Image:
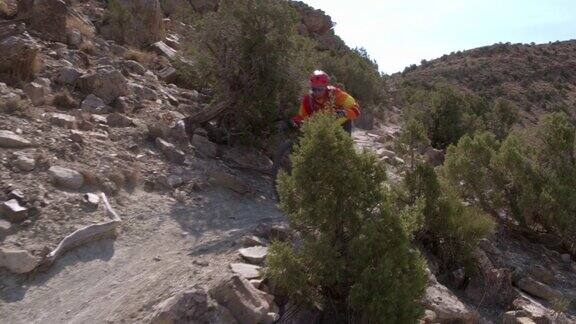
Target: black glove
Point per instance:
(341, 113)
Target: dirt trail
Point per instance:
(163, 247)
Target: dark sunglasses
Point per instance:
(318, 89)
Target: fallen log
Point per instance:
(86, 234)
(205, 115)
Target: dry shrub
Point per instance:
(88, 47)
(63, 99)
(10, 106)
(74, 22)
(143, 57)
(24, 71)
(7, 8)
(90, 178)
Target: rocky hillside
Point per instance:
(538, 78)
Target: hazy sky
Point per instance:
(398, 33)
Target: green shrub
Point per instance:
(355, 260)
(451, 230)
(503, 115)
(249, 50)
(412, 137)
(531, 175)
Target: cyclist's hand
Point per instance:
(293, 124)
(340, 113)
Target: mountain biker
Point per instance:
(325, 97)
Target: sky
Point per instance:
(398, 33)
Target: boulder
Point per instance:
(162, 49)
(445, 304)
(19, 54)
(63, 120)
(204, 146)
(245, 270)
(12, 211)
(106, 83)
(143, 92)
(170, 151)
(67, 75)
(247, 304)
(191, 306)
(66, 178)
(167, 74)
(94, 105)
(251, 240)
(316, 21)
(255, 254)
(91, 200)
(49, 19)
(434, 157)
(9, 139)
(119, 120)
(542, 274)
(229, 181)
(538, 289)
(132, 66)
(37, 93)
(17, 261)
(24, 163)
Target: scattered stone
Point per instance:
(251, 240)
(9, 139)
(92, 200)
(94, 105)
(458, 277)
(162, 49)
(74, 38)
(37, 93)
(167, 74)
(24, 163)
(445, 304)
(12, 210)
(255, 254)
(49, 19)
(170, 151)
(273, 232)
(229, 181)
(77, 136)
(247, 304)
(16, 194)
(157, 259)
(18, 50)
(106, 83)
(142, 92)
(174, 181)
(17, 261)
(566, 258)
(542, 274)
(132, 66)
(204, 146)
(538, 289)
(190, 306)
(67, 75)
(386, 153)
(434, 157)
(119, 120)
(202, 263)
(63, 120)
(98, 119)
(5, 228)
(67, 178)
(245, 270)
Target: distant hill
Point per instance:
(538, 78)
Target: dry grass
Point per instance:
(143, 57)
(132, 176)
(23, 70)
(74, 22)
(63, 99)
(87, 47)
(7, 8)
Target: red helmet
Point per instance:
(319, 79)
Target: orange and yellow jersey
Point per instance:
(334, 99)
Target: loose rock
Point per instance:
(9, 139)
(170, 151)
(245, 270)
(106, 83)
(37, 93)
(92, 200)
(17, 261)
(255, 254)
(12, 210)
(66, 177)
(63, 120)
(162, 49)
(229, 181)
(49, 19)
(119, 120)
(5, 228)
(24, 163)
(539, 289)
(94, 105)
(205, 146)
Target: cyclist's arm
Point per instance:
(348, 103)
(303, 112)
